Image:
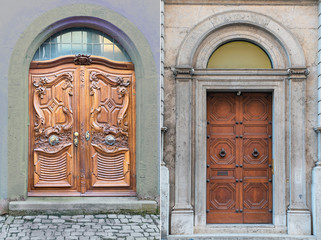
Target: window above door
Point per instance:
(74, 41)
(239, 55)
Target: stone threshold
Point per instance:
(82, 205)
(243, 236)
(240, 229)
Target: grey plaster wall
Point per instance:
(16, 17)
(300, 17)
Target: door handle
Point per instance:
(76, 141)
(87, 136)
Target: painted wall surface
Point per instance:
(18, 20)
(300, 17)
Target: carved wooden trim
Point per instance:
(122, 84)
(82, 59)
(40, 90)
(70, 59)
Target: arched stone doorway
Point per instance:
(285, 82)
(128, 35)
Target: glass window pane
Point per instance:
(81, 41)
(108, 40)
(76, 37)
(76, 48)
(97, 50)
(45, 51)
(55, 51)
(239, 55)
(65, 49)
(89, 50)
(66, 37)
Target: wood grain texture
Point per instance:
(239, 158)
(96, 101)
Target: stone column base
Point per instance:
(4, 207)
(182, 222)
(299, 222)
(164, 201)
(316, 200)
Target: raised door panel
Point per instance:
(222, 190)
(112, 127)
(256, 150)
(239, 147)
(52, 162)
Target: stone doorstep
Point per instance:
(79, 205)
(242, 236)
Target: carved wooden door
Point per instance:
(239, 158)
(82, 127)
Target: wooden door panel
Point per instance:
(82, 131)
(255, 152)
(239, 188)
(222, 108)
(51, 95)
(111, 127)
(53, 169)
(255, 107)
(110, 170)
(222, 151)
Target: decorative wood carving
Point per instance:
(49, 84)
(82, 59)
(96, 101)
(53, 170)
(122, 92)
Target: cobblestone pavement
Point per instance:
(83, 227)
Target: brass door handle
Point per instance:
(76, 141)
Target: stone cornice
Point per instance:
(291, 73)
(241, 2)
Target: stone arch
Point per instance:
(131, 38)
(262, 30)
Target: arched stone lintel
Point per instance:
(292, 49)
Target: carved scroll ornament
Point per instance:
(122, 91)
(120, 131)
(43, 132)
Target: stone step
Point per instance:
(240, 237)
(81, 205)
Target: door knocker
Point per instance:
(222, 153)
(255, 153)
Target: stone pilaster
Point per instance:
(182, 218)
(316, 172)
(298, 215)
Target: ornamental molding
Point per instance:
(82, 59)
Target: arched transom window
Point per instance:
(239, 54)
(74, 41)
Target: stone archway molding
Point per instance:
(291, 46)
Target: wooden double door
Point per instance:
(239, 158)
(82, 127)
